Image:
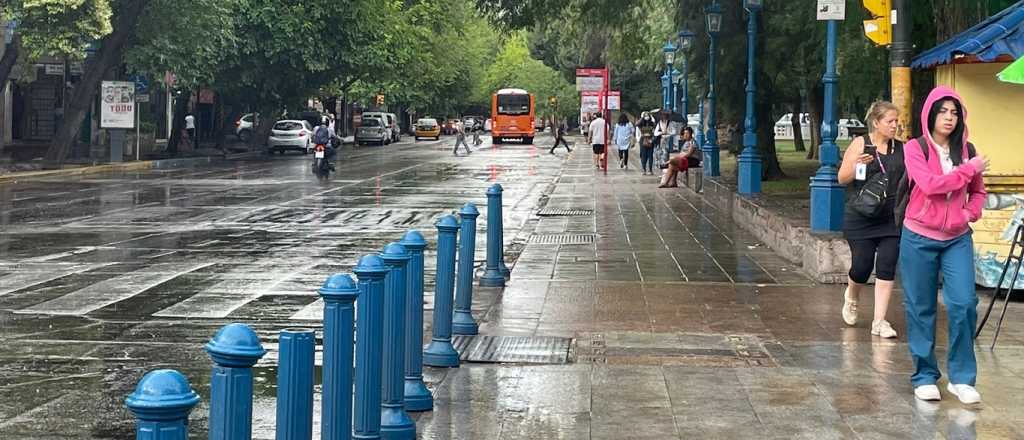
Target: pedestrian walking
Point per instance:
(645, 137)
(560, 129)
(190, 126)
(460, 138)
(874, 160)
(688, 158)
(596, 138)
(624, 137)
(946, 194)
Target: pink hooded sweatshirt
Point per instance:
(942, 205)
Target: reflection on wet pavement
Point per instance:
(682, 325)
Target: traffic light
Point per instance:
(553, 100)
(379, 100)
(879, 29)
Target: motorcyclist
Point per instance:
(322, 136)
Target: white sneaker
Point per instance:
(849, 308)
(966, 393)
(927, 392)
(883, 329)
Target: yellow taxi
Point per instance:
(428, 128)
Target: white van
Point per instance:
(391, 121)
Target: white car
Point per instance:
(291, 134)
(243, 127)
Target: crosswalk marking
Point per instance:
(110, 291)
(23, 280)
(312, 312)
(220, 300)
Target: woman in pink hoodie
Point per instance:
(947, 194)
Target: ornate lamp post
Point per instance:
(710, 147)
(669, 50)
(826, 192)
(676, 75)
(749, 178)
(685, 43)
(664, 90)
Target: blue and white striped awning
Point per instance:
(1000, 35)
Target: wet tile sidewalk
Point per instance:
(687, 327)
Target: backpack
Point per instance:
(322, 135)
(907, 185)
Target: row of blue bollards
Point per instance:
(388, 375)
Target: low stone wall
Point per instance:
(824, 257)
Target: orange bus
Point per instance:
(512, 116)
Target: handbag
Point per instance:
(870, 200)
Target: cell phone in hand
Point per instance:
(870, 149)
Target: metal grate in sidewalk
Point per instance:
(562, 238)
(560, 212)
(513, 349)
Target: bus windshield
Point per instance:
(513, 104)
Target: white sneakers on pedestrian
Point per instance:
(849, 308)
(883, 329)
(966, 393)
(927, 392)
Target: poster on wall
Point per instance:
(118, 108)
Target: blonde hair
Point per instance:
(877, 111)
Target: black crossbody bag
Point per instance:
(870, 200)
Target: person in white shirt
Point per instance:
(596, 138)
(190, 126)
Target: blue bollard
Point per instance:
(234, 350)
(395, 423)
(499, 220)
(161, 403)
(440, 352)
(366, 417)
(295, 384)
(417, 396)
(462, 321)
(339, 293)
(493, 277)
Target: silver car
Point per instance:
(372, 130)
(291, 134)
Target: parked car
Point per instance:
(291, 135)
(244, 126)
(373, 130)
(428, 127)
(449, 126)
(390, 124)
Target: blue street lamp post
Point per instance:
(669, 50)
(749, 178)
(826, 192)
(675, 90)
(714, 26)
(664, 90)
(685, 43)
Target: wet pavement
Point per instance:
(679, 324)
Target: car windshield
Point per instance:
(288, 126)
(371, 122)
(513, 104)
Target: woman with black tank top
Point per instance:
(874, 241)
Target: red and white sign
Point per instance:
(590, 80)
(118, 107)
(591, 102)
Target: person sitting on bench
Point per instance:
(688, 158)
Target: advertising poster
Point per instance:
(118, 107)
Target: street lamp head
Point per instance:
(753, 5)
(676, 76)
(669, 50)
(714, 18)
(686, 40)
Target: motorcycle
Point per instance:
(321, 166)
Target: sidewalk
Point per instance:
(684, 326)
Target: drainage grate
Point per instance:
(562, 238)
(513, 349)
(559, 212)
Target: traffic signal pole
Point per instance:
(900, 54)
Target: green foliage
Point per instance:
(59, 27)
(515, 68)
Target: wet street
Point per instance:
(659, 317)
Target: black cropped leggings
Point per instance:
(879, 253)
